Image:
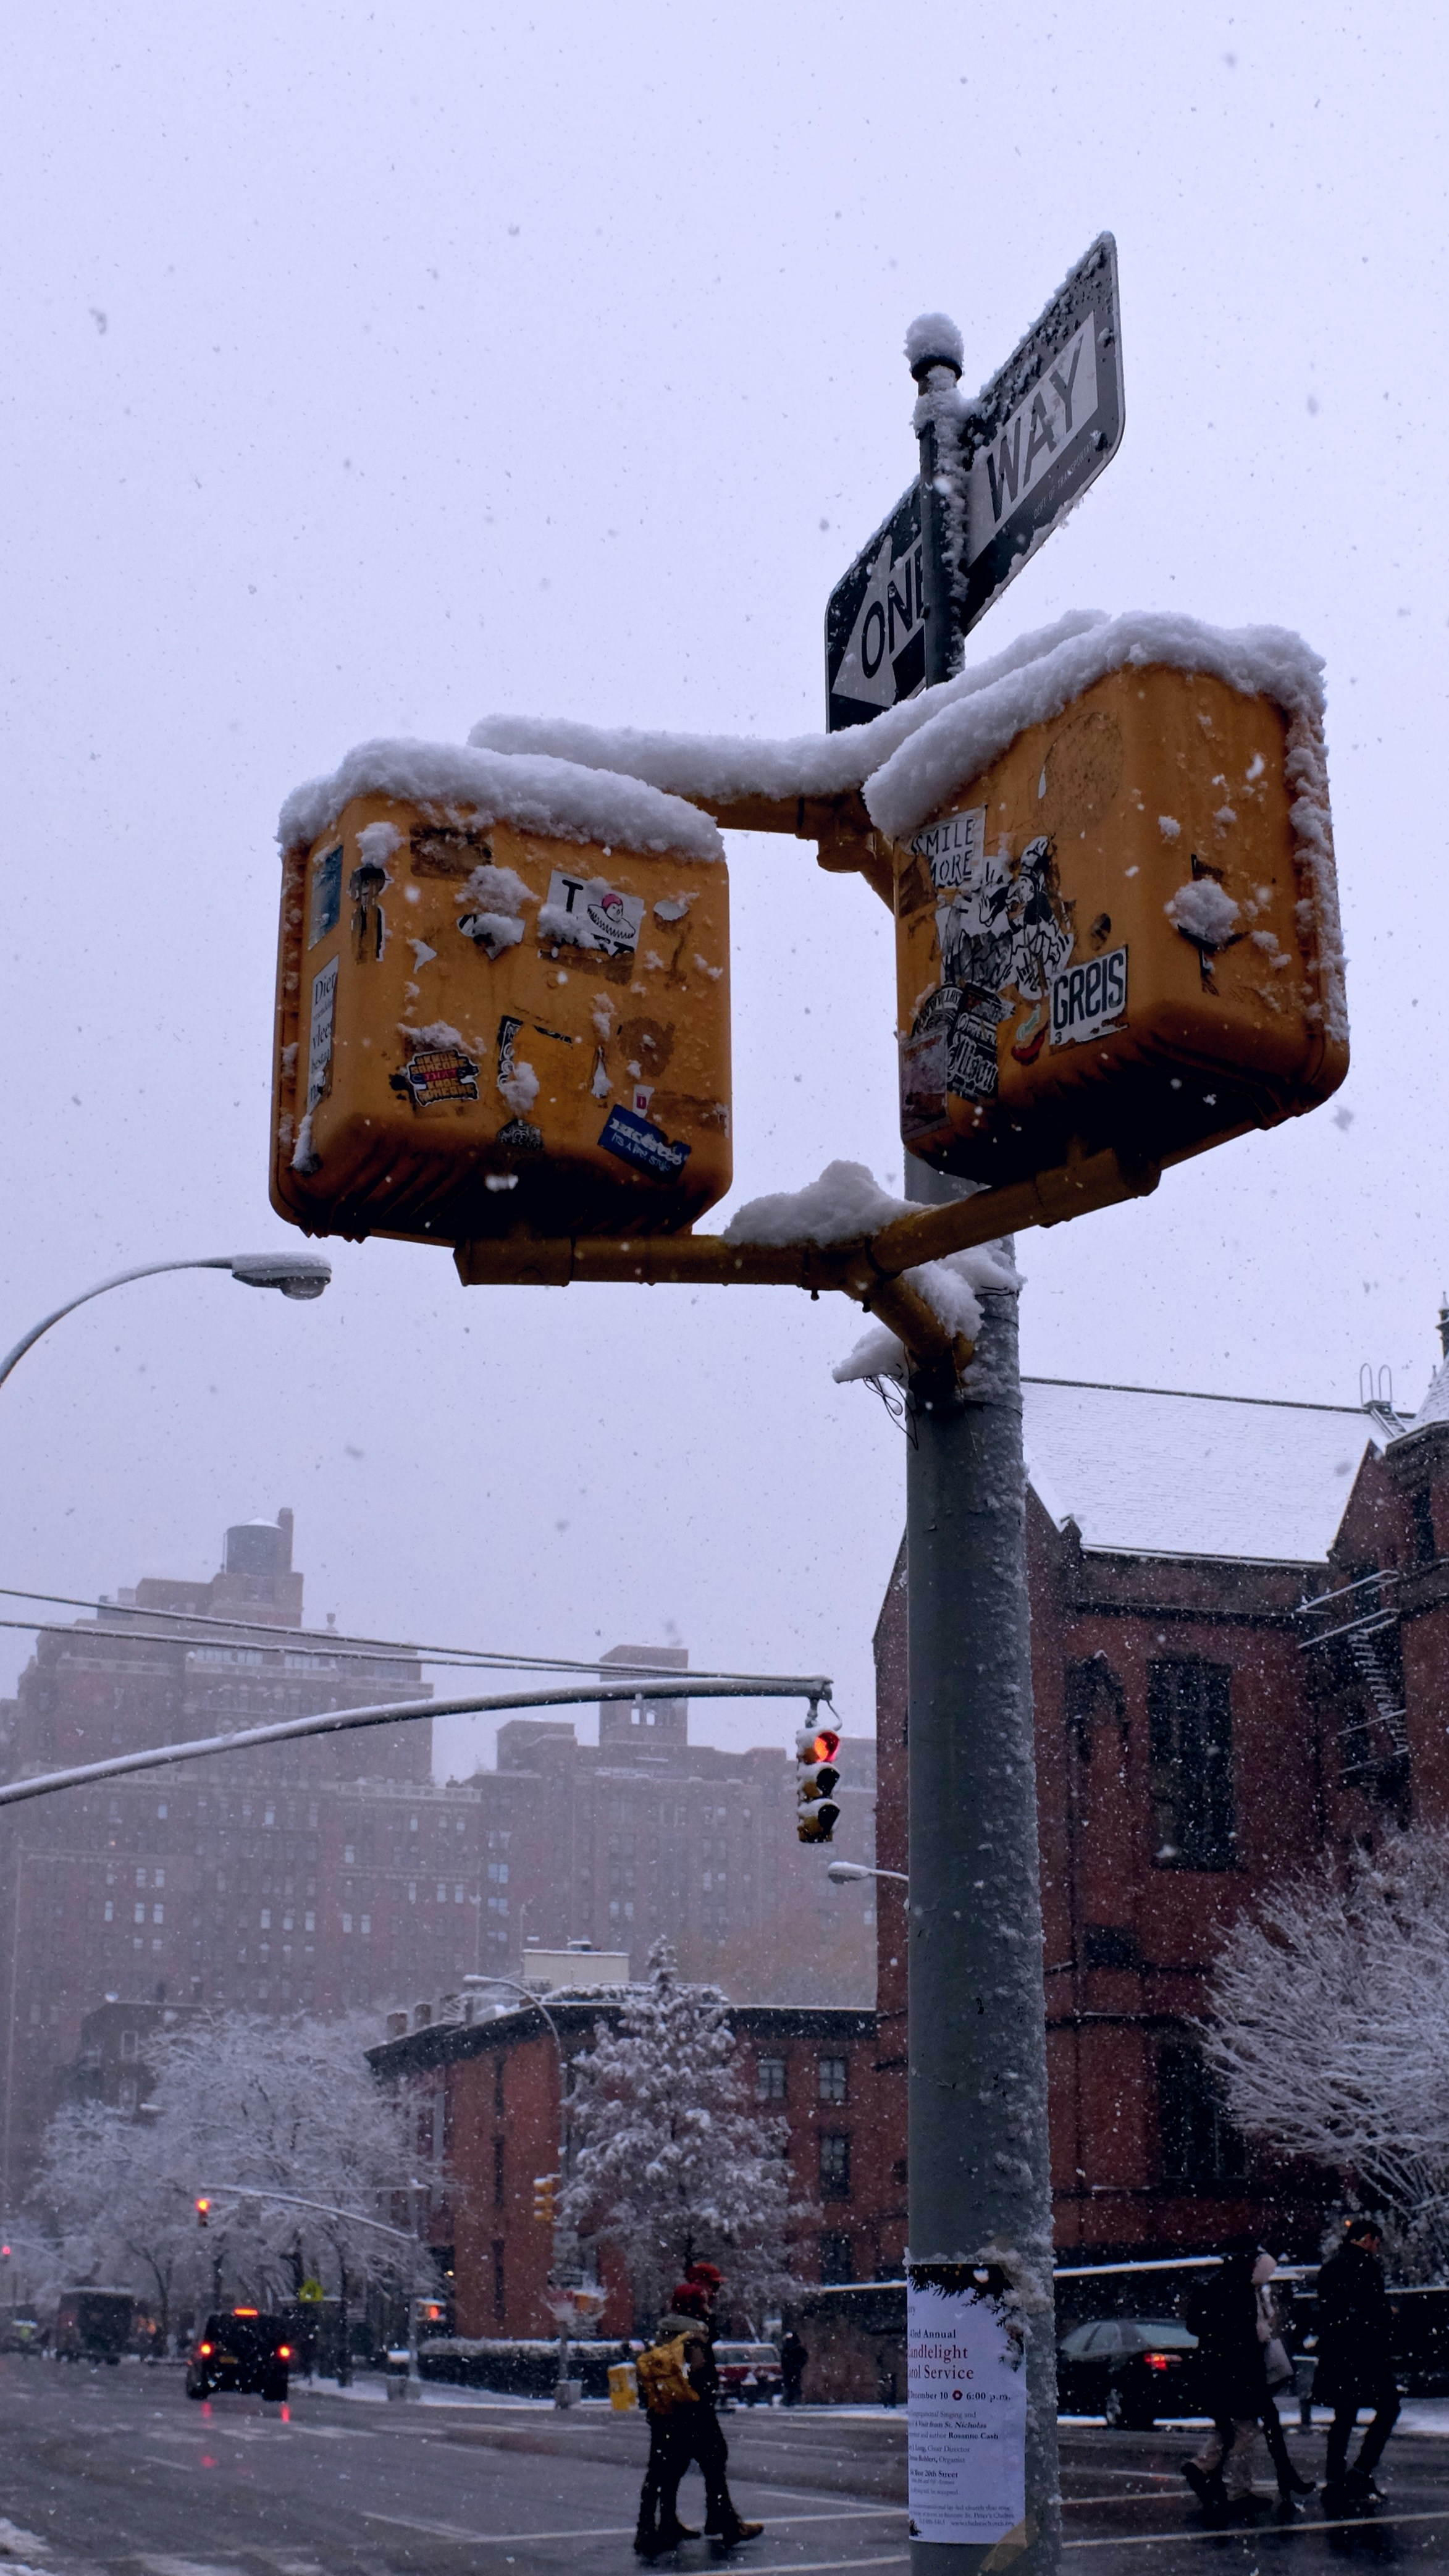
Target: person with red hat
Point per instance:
(680, 2384)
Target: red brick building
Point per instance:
(484, 2093)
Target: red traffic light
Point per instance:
(203, 2212)
(822, 1746)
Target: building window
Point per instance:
(127, 2097)
(349, 1854)
(442, 1893)
(366, 1921)
(346, 1922)
(140, 1914)
(158, 1913)
(498, 2088)
(458, 1893)
(110, 1911)
(266, 1918)
(1421, 1504)
(309, 1922)
(836, 2259)
(1190, 1743)
(831, 2076)
(835, 2168)
(1199, 2141)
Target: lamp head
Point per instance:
(296, 1274)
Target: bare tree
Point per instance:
(673, 2164)
(1329, 2026)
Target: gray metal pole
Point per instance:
(979, 2173)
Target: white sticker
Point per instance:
(952, 847)
(1054, 412)
(319, 1047)
(1089, 999)
(587, 912)
(966, 2418)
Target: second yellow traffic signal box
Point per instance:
(1122, 932)
(490, 1024)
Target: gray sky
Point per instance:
(370, 369)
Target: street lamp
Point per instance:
(296, 1274)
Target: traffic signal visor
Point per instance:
(816, 1779)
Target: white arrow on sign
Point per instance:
(888, 616)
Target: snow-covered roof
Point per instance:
(1156, 1474)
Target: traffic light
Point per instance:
(203, 2213)
(816, 1777)
(543, 2191)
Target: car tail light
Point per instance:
(205, 2351)
(284, 2352)
(1162, 2360)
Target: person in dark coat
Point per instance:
(690, 2432)
(1223, 2313)
(1355, 2333)
(793, 2357)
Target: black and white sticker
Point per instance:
(319, 1042)
(1089, 1000)
(952, 849)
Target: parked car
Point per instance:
(749, 2373)
(93, 2325)
(1128, 2370)
(243, 2351)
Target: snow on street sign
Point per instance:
(1042, 430)
(875, 634)
(1033, 440)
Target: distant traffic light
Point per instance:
(543, 2191)
(203, 2213)
(816, 1778)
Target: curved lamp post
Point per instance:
(296, 1274)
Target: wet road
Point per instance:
(114, 2471)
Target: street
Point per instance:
(114, 2470)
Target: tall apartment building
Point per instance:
(336, 1873)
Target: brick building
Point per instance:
(1240, 1642)
(483, 2087)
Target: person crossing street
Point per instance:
(680, 2386)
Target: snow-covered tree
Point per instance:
(671, 2163)
(258, 2114)
(1329, 2025)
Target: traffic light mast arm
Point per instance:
(845, 837)
(869, 1269)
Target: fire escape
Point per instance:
(1362, 1631)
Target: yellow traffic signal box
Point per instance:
(491, 1025)
(1123, 931)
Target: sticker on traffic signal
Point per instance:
(816, 1777)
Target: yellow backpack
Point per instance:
(663, 2378)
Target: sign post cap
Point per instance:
(933, 340)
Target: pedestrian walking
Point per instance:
(1355, 2335)
(1278, 2373)
(793, 2357)
(1223, 2313)
(680, 2385)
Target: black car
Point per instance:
(241, 2350)
(1128, 2370)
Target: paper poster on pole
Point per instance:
(966, 2361)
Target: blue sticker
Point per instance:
(635, 1140)
(326, 893)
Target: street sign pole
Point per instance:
(935, 359)
(980, 2186)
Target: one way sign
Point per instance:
(1031, 443)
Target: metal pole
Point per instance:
(937, 371)
(979, 2172)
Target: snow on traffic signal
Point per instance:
(816, 1777)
